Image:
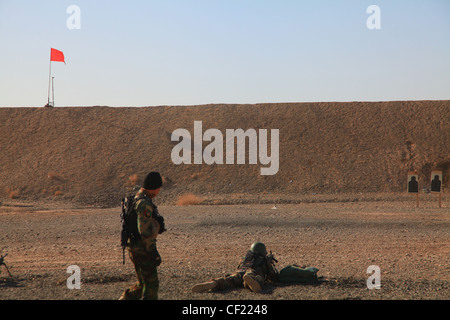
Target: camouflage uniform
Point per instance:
(143, 253)
(253, 264)
(253, 268)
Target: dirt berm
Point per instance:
(91, 155)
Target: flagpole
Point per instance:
(49, 77)
(53, 93)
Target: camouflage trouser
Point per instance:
(236, 279)
(147, 275)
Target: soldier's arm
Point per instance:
(145, 223)
(240, 262)
(272, 273)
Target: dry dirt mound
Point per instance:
(92, 154)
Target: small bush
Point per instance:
(188, 200)
(13, 194)
(55, 176)
(133, 180)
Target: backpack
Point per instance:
(295, 274)
(128, 218)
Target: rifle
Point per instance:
(271, 258)
(2, 262)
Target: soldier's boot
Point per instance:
(124, 295)
(205, 286)
(252, 282)
(133, 293)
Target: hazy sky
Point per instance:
(185, 52)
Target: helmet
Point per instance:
(259, 247)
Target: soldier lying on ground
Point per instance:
(252, 272)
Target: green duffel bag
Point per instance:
(294, 274)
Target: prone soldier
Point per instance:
(254, 269)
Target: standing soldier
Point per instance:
(252, 272)
(142, 248)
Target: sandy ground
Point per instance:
(410, 245)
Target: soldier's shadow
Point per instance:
(11, 282)
(269, 288)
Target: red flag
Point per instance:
(56, 55)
